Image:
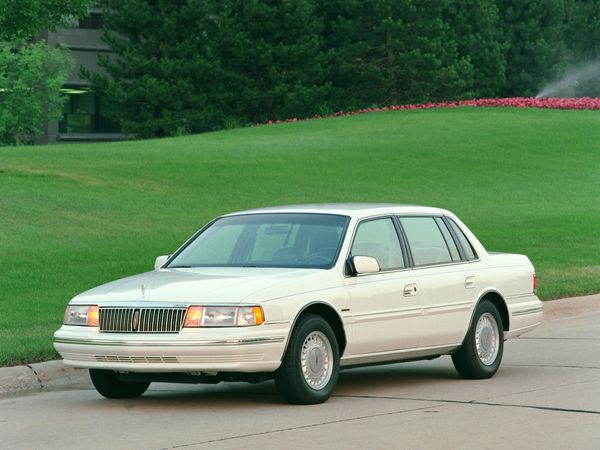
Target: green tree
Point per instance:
(32, 73)
(582, 37)
(195, 65)
(31, 76)
(163, 79)
(534, 33)
(23, 19)
(270, 53)
(582, 33)
(474, 26)
(391, 51)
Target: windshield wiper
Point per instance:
(178, 267)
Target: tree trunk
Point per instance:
(392, 89)
(17, 138)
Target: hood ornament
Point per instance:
(143, 288)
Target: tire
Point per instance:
(310, 368)
(485, 330)
(108, 385)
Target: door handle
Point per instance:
(469, 282)
(410, 289)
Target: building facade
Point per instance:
(83, 118)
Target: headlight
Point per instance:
(83, 315)
(223, 316)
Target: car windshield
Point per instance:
(266, 240)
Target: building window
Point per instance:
(83, 114)
(91, 22)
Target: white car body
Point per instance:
(388, 316)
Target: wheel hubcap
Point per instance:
(487, 339)
(316, 360)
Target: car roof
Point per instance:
(347, 209)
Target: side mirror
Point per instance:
(365, 264)
(160, 261)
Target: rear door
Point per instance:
(446, 279)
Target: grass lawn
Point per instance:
(74, 216)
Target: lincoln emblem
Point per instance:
(135, 321)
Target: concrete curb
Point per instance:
(571, 307)
(50, 374)
(42, 375)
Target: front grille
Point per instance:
(141, 320)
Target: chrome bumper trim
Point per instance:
(216, 342)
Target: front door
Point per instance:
(383, 303)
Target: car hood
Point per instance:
(207, 285)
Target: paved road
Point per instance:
(546, 395)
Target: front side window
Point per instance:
(426, 241)
(378, 239)
(266, 240)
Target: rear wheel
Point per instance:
(310, 367)
(481, 352)
(108, 385)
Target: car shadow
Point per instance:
(367, 381)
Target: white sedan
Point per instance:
(295, 293)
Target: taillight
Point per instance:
(534, 283)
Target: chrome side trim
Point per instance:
(397, 355)
(385, 315)
(276, 322)
(205, 343)
(412, 312)
(449, 307)
(512, 297)
(523, 312)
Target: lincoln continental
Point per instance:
(297, 293)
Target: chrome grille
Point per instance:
(141, 320)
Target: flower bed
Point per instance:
(513, 102)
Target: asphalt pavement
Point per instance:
(545, 395)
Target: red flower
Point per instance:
(513, 102)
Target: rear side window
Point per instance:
(426, 241)
(464, 242)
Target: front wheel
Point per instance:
(481, 352)
(310, 368)
(108, 385)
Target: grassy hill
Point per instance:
(74, 216)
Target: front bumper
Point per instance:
(206, 350)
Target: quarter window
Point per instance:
(426, 241)
(464, 242)
(448, 238)
(378, 239)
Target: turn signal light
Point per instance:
(93, 316)
(193, 318)
(259, 315)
